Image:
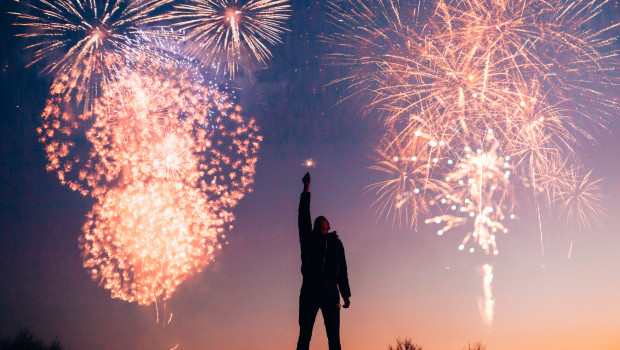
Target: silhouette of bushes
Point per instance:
(405, 344)
(25, 340)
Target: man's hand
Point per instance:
(306, 181)
(347, 303)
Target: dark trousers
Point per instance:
(311, 299)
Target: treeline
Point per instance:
(25, 340)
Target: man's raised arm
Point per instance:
(303, 220)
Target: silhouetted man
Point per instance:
(324, 271)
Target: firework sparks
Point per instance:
(171, 155)
(166, 158)
(476, 189)
(455, 72)
(142, 240)
(580, 199)
(83, 40)
(227, 34)
(408, 163)
(154, 122)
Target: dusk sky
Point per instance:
(406, 282)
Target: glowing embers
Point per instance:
(144, 239)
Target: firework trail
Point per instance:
(487, 305)
(229, 34)
(82, 42)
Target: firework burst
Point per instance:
(229, 34)
(83, 41)
(135, 125)
(408, 164)
(485, 103)
(477, 190)
(144, 239)
(580, 200)
(530, 73)
(166, 158)
(153, 122)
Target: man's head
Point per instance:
(321, 225)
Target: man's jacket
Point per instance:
(322, 255)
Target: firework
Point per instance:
(408, 163)
(476, 189)
(154, 122)
(83, 41)
(530, 73)
(228, 34)
(580, 200)
(171, 155)
(485, 103)
(458, 54)
(168, 158)
(143, 239)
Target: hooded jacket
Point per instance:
(322, 255)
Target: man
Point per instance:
(324, 271)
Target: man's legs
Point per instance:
(308, 307)
(331, 316)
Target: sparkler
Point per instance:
(309, 163)
(228, 34)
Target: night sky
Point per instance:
(405, 282)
